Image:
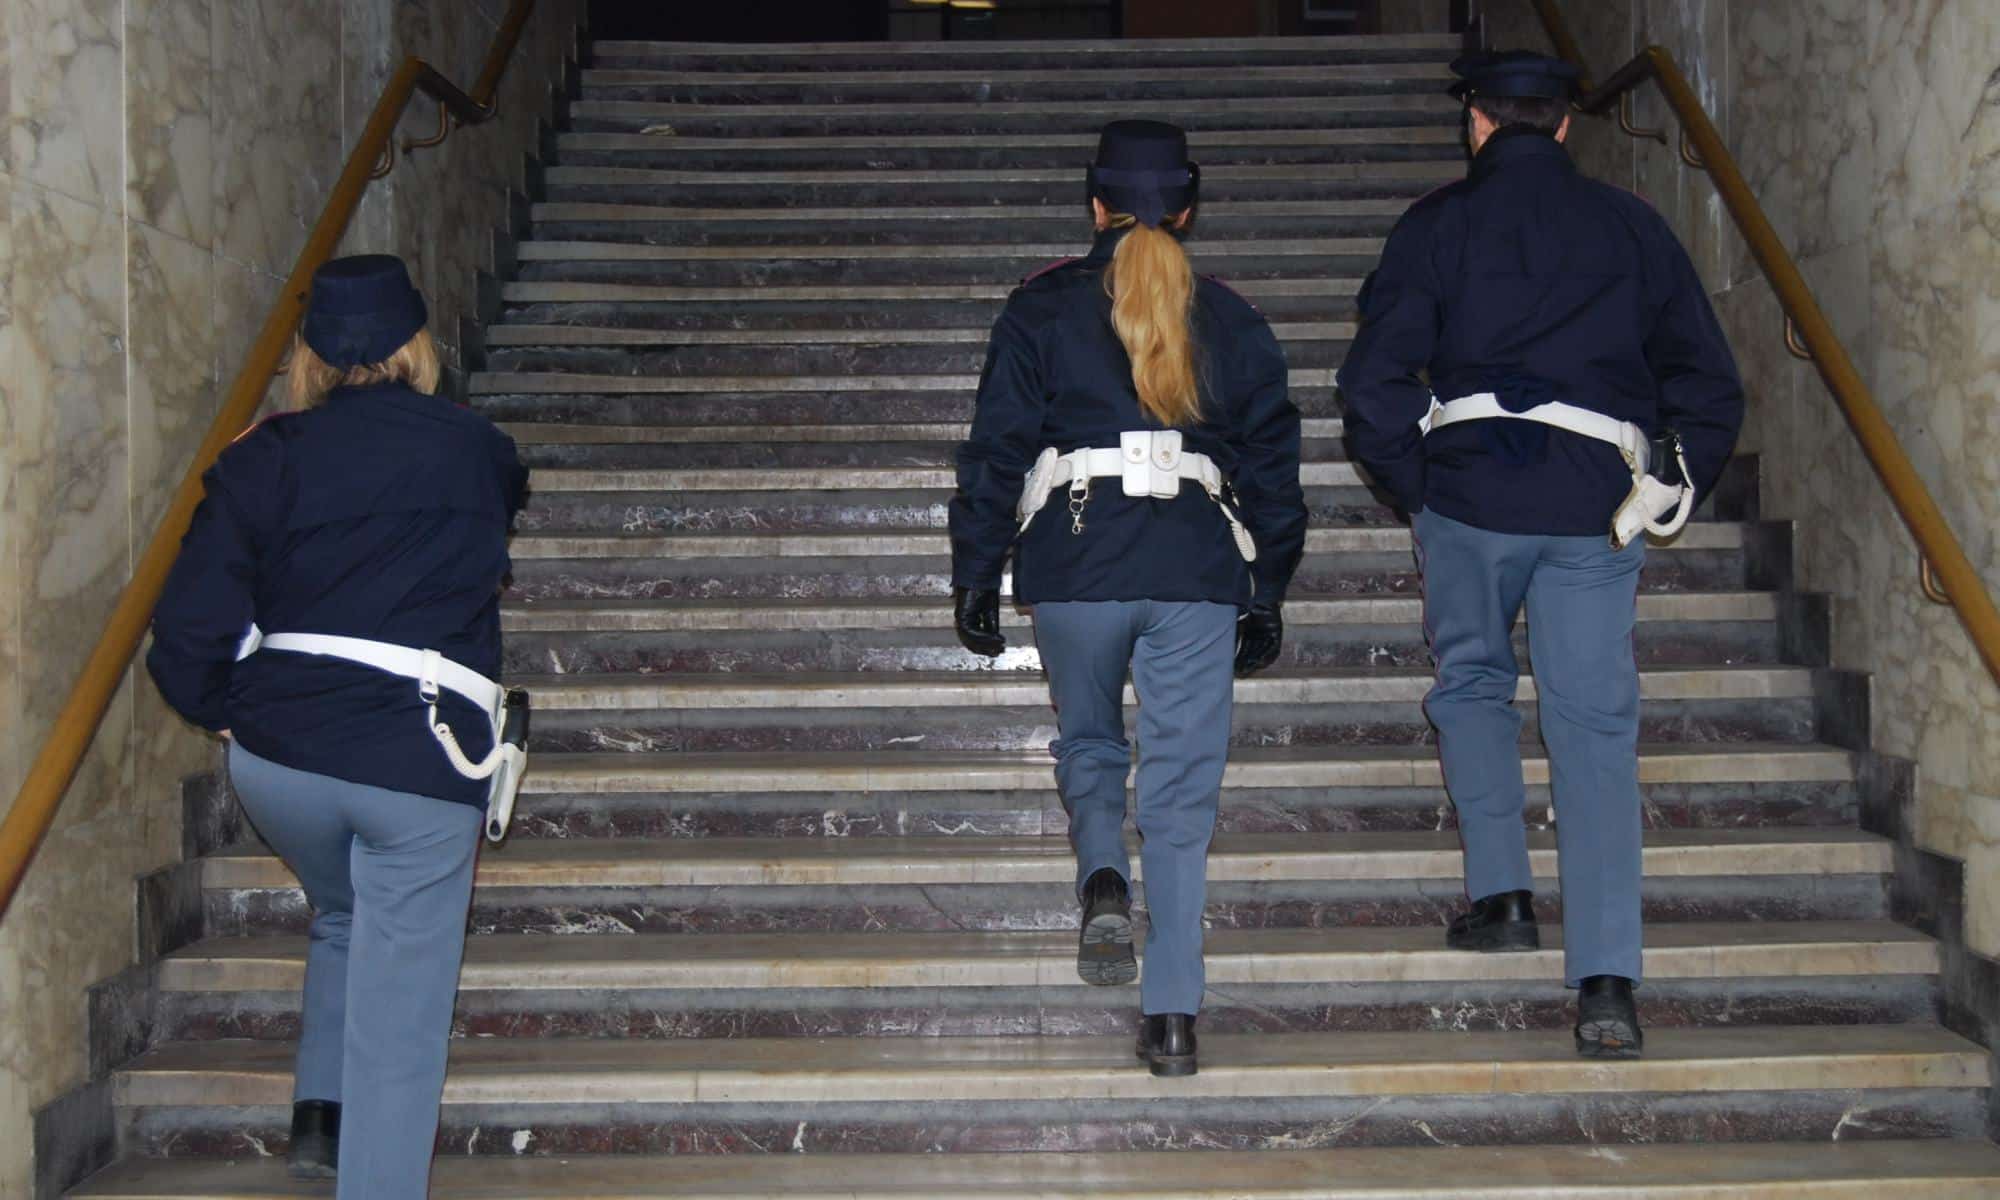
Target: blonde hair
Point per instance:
(1151, 284)
(310, 377)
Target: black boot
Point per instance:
(315, 1139)
(1500, 923)
(1166, 1042)
(1607, 1021)
(1104, 948)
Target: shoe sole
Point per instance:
(311, 1171)
(1609, 1039)
(1104, 956)
(1522, 939)
(1176, 1067)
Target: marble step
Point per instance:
(496, 383)
(1013, 116)
(1413, 143)
(1688, 630)
(1929, 1169)
(611, 349)
(956, 983)
(500, 1074)
(1070, 53)
(1001, 84)
(921, 436)
(815, 188)
(748, 458)
(943, 225)
(1322, 288)
(1384, 539)
(953, 861)
(1301, 611)
(967, 710)
(767, 266)
(961, 962)
(986, 690)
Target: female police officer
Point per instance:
(364, 529)
(1151, 406)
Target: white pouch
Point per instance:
(1036, 487)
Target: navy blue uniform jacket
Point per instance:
(1535, 282)
(1057, 375)
(382, 513)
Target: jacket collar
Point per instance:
(1104, 245)
(1509, 146)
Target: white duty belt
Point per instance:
(503, 766)
(1149, 462)
(1650, 498)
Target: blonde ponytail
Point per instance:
(1151, 284)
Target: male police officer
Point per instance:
(1536, 365)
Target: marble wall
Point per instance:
(1870, 130)
(160, 162)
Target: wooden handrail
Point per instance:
(49, 777)
(1948, 575)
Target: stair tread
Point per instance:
(879, 1070)
(904, 52)
(1436, 105)
(1421, 169)
(527, 334)
(508, 382)
(1419, 69)
(955, 689)
(1301, 610)
(575, 210)
(1849, 1170)
(652, 293)
(1006, 859)
(562, 250)
(1384, 538)
(1428, 133)
(1343, 955)
(915, 433)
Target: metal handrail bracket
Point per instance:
(1947, 574)
(374, 155)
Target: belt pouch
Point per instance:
(1135, 458)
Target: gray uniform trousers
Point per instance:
(1180, 656)
(389, 877)
(1581, 597)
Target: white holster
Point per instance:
(1148, 462)
(502, 767)
(1650, 499)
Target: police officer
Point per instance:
(1572, 359)
(367, 527)
(1146, 408)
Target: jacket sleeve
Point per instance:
(513, 476)
(1701, 394)
(993, 461)
(1266, 482)
(210, 596)
(1383, 394)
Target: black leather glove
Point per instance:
(1259, 633)
(976, 615)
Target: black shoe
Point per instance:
(315, 1150)
(1607, 1022)
(1499, 924)
(1104, 948)
(1166, 1042)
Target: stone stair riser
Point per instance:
(1414, 1121)
(1371, 219)
(995, 56)
(942, 270)
(1113, 87)
(1064, 194)
(1052, 906)
(644, 1014)
(1658, 644)
(758, 457)
(1408, 144)
(1384, 111)
(925, 407)
(1270, 810)
(1377, 723)
(693, 361)
(1347, 575)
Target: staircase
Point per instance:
(787, 909)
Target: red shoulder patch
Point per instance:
(1034, 275)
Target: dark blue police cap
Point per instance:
(1513, 73)
(363, 308)
(1142, 168)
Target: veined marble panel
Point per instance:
(277, 81)
(243, 298)
(1929, 75)
(11, 397)
(64, 116)
(169, 135)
